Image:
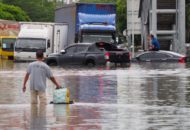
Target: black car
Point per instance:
(89, 54)
(160, 56)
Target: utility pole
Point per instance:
(133, 33)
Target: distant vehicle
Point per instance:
(160, 56)
(7, 47)
(89, 22)
(8, 33)
(33, 36)
(89, 54)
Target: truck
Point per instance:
(33, 36)
(8, 33)
(88, 22)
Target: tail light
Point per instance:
(107, 56)
(182, 60)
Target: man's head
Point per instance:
(151, 36)
(39, 54)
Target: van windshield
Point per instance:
(30, 44)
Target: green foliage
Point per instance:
(121, 15)
(43, 10)
(38, 10)
(10, 12)
(6, 15)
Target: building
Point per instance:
(166, 20)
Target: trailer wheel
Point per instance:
(90, 63)
(52, 63)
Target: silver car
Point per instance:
(160, 56)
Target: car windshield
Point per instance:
(8, 44)
(29, 44)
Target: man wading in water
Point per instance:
(38, 72)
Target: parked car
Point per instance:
(160, 56)
(89, 54)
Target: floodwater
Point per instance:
(146, 96)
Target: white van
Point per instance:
(33, 36)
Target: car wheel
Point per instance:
(52, 63)
(90, 63)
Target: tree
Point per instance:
(43, 10)
(38, 10)
(10, 12)
(121, 15)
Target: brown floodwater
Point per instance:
(146, 96)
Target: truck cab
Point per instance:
(45, 36)
(89, 22)
(96, 27)
(30, 39)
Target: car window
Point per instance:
(81, 48)
(93, 48)
(153, 56)
(71, 50)
(161, 55)
(146, 56)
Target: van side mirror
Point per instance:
(48, 43)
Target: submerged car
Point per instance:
(160, 56)
(90, 54)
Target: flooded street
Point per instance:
(146, 96)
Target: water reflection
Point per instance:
(6, 64)
(38, 117)
(158, 94)
(145, 96)
(92, 88)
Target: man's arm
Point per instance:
(55, 82)
(25, 81)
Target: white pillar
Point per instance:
(181, 26)
(154, 17)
